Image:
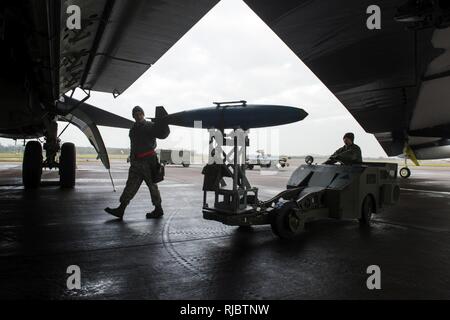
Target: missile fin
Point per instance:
(160, 112)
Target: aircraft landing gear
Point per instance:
(33, 161)
(32, 165)
(409, 154)
(405, 172)
(67, 157)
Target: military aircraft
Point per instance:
(392, 78)
(45, 55)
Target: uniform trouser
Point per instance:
(141, 170)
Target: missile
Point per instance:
(233, 115)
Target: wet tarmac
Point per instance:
(182, 256)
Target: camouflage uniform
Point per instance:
(143, 139)
(141, 170)
(347, 155)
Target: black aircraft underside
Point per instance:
(42, 59)
(385, 77)
(121, 39)
(436, 149)
(23, 133)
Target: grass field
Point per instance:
(10, 157)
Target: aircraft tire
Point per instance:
(32, 165)
(67, 165)
(405, 172)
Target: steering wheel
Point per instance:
(336, 163)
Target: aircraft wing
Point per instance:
(120, 39)
(86, 118)
(90, 130)
(98, 116)
(392, 80)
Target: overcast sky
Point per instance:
(231, 55)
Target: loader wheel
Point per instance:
(287, 222)
(405, 172)
(32, 165)
(367, 209)
(67, 165)
(185, 165)
(250, 167)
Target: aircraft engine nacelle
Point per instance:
(433, 152)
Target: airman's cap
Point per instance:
(137, 109)
(350, 135)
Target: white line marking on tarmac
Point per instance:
(168, 185)
(427, 191)
(9, 166)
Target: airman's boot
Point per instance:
(117, 212)
(157, 213)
